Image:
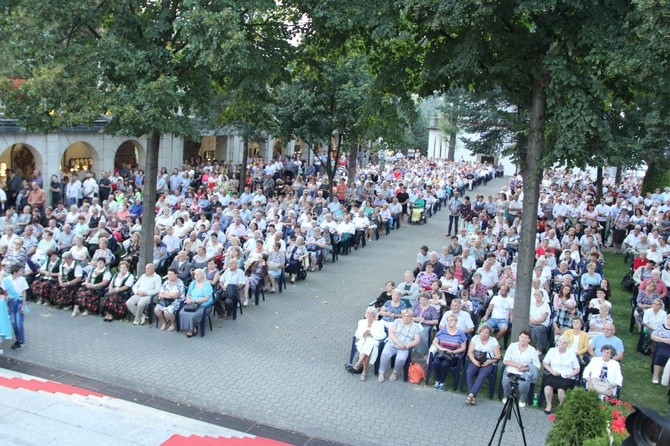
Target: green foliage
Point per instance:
(579, 418)
(657, 176)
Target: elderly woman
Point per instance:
(522, 359)
(404, 334)
(200, 295)
(79, 251)
(578, 340)
(369, 334)
(69, 279)
(483, 353)
(450, 343)
(561, 366)
(392, 309)
(478, 293)
(118, 292)
(408, 289)
(43, 286)
(603, 374)
(255, 274)
(645, 298)
(539, 321)
(89, 294)
(654, 316)
(661, 336)
(597, 322)
(296, 254)
(132, 255)
(16, 255)
(44, 246)
(200, 259)
(170, 299)
(425, 278)
(275, 263)
(428, 316)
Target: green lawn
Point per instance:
(637, 386)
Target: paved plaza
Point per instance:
(281, 363)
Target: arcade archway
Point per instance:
(22, 158)
(129, 155)
(78, 158)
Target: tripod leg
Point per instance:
(517, 414)
(505, 413)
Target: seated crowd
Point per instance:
(212, 247)
(455, 311)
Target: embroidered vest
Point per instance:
(67, 273)
(96, 279)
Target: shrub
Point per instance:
(581, 417)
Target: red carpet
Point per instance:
(45, 386)
(195, 440)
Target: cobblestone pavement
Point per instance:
(281, 363)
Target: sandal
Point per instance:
(468, 399)
(380, 378)
(473, 401)
(189, 334)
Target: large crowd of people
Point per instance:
(74, 243)
(462, 295)
(216, 248)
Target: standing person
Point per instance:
(454, 208)
(37, 198)
(104, 186)
(56, 190)
(5, 324)
(15, 285)
(13, 187)
(403, 200)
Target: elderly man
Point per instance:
(37, 198)
(604, 338)
(232, 282)
(148, 285)
(183, 267)
(463, 318)
(438, 267)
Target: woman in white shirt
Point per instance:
(521, 358)
(561, 366)
(603, 374)
(539, 320)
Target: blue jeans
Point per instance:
(15, 315)
(475, 377)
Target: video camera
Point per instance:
(647, 427)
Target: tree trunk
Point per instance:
(452, 140)
(245, 161)
(531, 194)
(351, 167)
(149, 201)
(657, 176)
(599, 183)
(617, 175)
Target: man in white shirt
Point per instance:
(90, 187)
(489, 276)
(499, 313)
(147, 286)
(232, 282)
(463, 318)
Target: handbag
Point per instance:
(480, 356)
(164, 302)
(415, 373)
(190, 308)
(448, 356)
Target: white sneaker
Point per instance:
(143, 320)
(504, 400)
(654, 381)
(1, 351)
(522, 404)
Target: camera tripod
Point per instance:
(511, 406)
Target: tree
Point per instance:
(151, 65)
(324, 101)
(546, 58)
